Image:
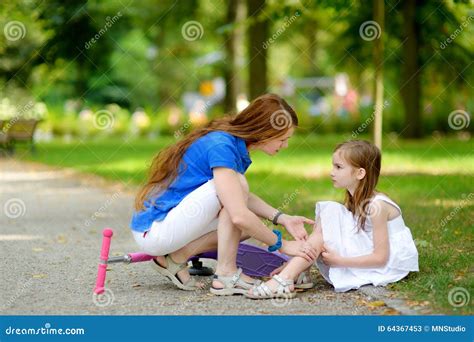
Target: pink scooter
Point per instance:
(254, 261)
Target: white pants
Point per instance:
(195, 216)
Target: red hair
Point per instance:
(265, 118)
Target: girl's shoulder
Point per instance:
(383, 201)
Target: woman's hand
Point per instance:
(295, 226)
(299, 248)
(331, 257)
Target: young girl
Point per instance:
(364, 241)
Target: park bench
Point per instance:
(17, 131)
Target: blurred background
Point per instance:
(89, 69)
(101, 86)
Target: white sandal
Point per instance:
(304, 281)
(171, 272)
(232, 285)
(262, 291)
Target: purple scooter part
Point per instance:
(255, 261)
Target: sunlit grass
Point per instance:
(431, 179)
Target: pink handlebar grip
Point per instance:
(139, 257)
(104, 256)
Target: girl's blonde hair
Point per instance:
(365, 155)
(265, 118)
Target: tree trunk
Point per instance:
(410, 88)
(233, 39)
(310, 31)
(257, 54)
(378, 77)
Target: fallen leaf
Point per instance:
(39, 276)
(61, 239)
(37, 249)
(376, 303)
(390, 312)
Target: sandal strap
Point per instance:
(283, 282)
(233, 281)
(262, 290)
(191, 282)
(303, 278)
(174, 267)
(235, 278)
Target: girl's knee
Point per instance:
(316, 239)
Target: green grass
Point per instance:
(430, 179)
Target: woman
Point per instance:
(196, 197)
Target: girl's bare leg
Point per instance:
(297, 264)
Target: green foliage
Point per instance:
(101, 52)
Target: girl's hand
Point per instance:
(331, 257)
(295, 226)
(299, 248)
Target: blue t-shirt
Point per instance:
(215, 149)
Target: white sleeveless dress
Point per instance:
(341, 234)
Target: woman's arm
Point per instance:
(262, 209)
(231, 195)
(293, 224)
(379, 257)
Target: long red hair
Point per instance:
(265, 118)
(361, 154)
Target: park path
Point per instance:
(50, 233)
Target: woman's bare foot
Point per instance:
(182, 275)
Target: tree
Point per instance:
(410, 88)
(379, 14)
(413, 35)
(257, 35)
(233, 39)
(73, 27)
